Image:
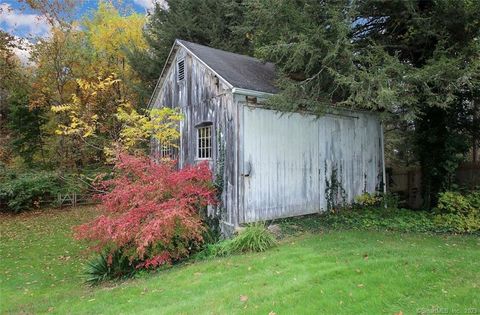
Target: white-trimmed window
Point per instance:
(204, 141)
(180, 70)
(168, 151)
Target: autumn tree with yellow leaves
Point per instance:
(89, 90)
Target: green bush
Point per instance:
(454, 203)
(458, 212)
(368, 200)
(28, 190)
(458, 223)
(20, 191)
(109, 267)
(254, 238)
(376, 200)
(474, 199)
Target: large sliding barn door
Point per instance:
(300, 164)
(281, 165)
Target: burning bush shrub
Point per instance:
(151, 211)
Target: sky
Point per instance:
(19, 20)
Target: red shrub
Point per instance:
(151, 211)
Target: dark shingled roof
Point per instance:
(240, 71)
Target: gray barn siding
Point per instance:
(201, 100)
(293, 155)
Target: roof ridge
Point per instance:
(224, 51)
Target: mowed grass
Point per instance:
(347, 272)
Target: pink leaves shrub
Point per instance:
(151, 211)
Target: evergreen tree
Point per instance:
(437, 42)
(215, 23)
(416, 60)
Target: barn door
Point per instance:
(280, 165)
(341, 169)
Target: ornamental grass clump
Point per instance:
(151, 212)
(254, 238)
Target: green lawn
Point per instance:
(350, 272)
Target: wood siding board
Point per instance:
(201, 99)
(293, 155)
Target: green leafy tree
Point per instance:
(25, 124)
(20, 134)
(8, 74)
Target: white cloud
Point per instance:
(23, 50)
(150, 4)
(23, 55)
(147, 4)
(26, 24)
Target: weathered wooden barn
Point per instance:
(271, 164)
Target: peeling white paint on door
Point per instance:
(291, 157)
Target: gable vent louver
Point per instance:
(181, 70)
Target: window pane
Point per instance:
(204, 142)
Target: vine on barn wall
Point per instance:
(220, 166)
(334, 192)
(213, 220)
